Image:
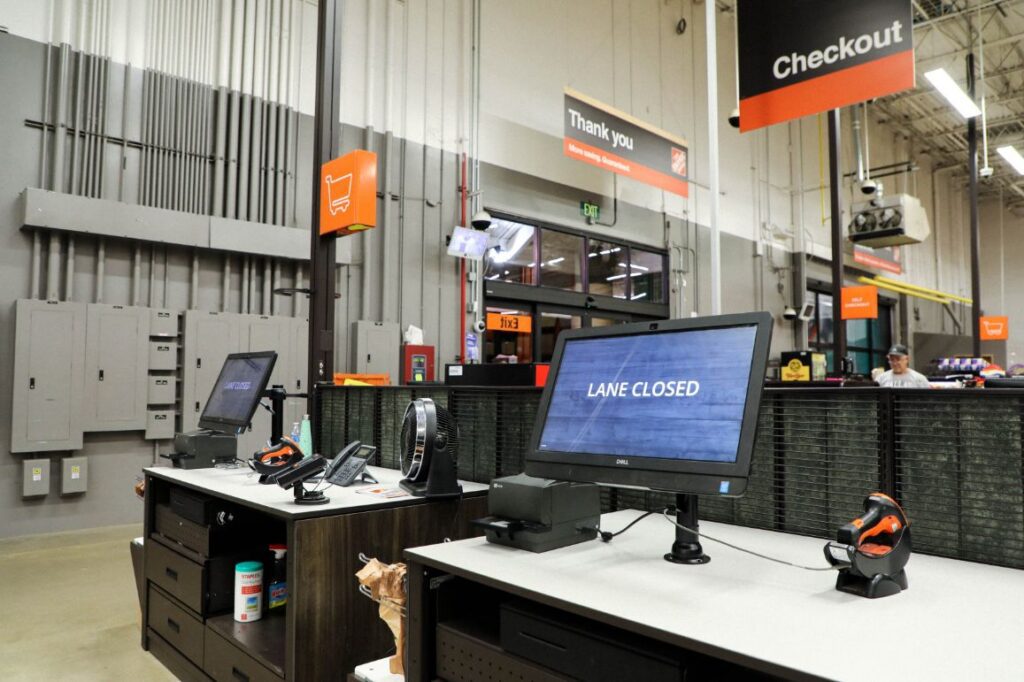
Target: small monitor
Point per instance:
(669, 406)
(238, 390)
(468, 243)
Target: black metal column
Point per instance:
(972, 165)
(326, 132)
(835, 175)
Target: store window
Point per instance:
(509, 342)
(607, 266)
(513, 258)
(561, 260)
(552, 324)
(646, 276)
(867, 341)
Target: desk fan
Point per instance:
(430, 447)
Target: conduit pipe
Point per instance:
(136, 274)
(245, 285)
(53, 268)
(194, 293)
(152, 275)
(267, 268)
(101, 266)
(37, 255)
(225, 288)
(69, 277)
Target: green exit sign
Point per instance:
(589, 210)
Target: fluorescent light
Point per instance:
(1013, 158)
(555, 261)
(953, 93)
(634, 266)
(614, 277)
(638, 296)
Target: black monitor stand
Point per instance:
(686, 549)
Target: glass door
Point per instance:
(552, 321)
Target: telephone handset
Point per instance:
(350, 464)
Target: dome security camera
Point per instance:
(480, 326)
(481, 220)
(869, 187)
(790, 313)
(734, 118)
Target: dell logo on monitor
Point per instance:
(623, 462)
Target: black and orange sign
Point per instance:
(801, 57)
(995, 328)
(348, 193)
(886, 258)
(520, 324)
(605, 137)
(860, 303)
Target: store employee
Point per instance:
(900, 375)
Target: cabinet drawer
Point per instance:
(173, 660)
(181, 578)
(181, 629)
(192, 535)
(163, 355)
(227, 663)
(161, 390)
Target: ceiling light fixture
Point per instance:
(953, 93)
(1013, 158)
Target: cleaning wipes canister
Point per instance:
(248, 591)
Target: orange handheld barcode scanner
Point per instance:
(872, 550)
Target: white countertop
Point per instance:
(957, 620)
(242, 485)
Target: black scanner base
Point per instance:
(535, 537)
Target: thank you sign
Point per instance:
(605, 137)
(801, 57)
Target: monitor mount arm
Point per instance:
(686, 549)
(277, 395)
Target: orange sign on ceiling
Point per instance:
(860, 303)
(348, 193)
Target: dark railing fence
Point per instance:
(953, 459)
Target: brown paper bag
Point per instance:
(387, 584)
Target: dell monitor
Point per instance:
(233, 401)
(668, 406)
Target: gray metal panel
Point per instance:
(163, 323)
(299, 332)
(35, 478)
(163, 355)
(209, 339)
(159, 424)
(113, 218)
(74, 475)
(161, 390)
(377, 348)
(116, 353)
(49, 359)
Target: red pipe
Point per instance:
(462, 272)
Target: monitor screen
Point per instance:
(468, 243)
(667, 406)
(237, 392)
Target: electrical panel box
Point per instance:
(74, 475)
(35, 480)
(116, 358)
(159, 424)
(163, 323)
(209, 339)
(163, 355)
(49, 363)
(377, 348)
(161, 390)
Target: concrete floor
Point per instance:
(69, 609)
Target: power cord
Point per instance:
(666, 512)
(606, 535)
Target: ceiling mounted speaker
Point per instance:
(430, 448)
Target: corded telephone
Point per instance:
(350, 464)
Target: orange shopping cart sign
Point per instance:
(995, 328)
(348, 193)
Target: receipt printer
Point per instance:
(202, 449)
(538, 514)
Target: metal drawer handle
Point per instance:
(171, 573)
(238, 674)
(172, 625)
